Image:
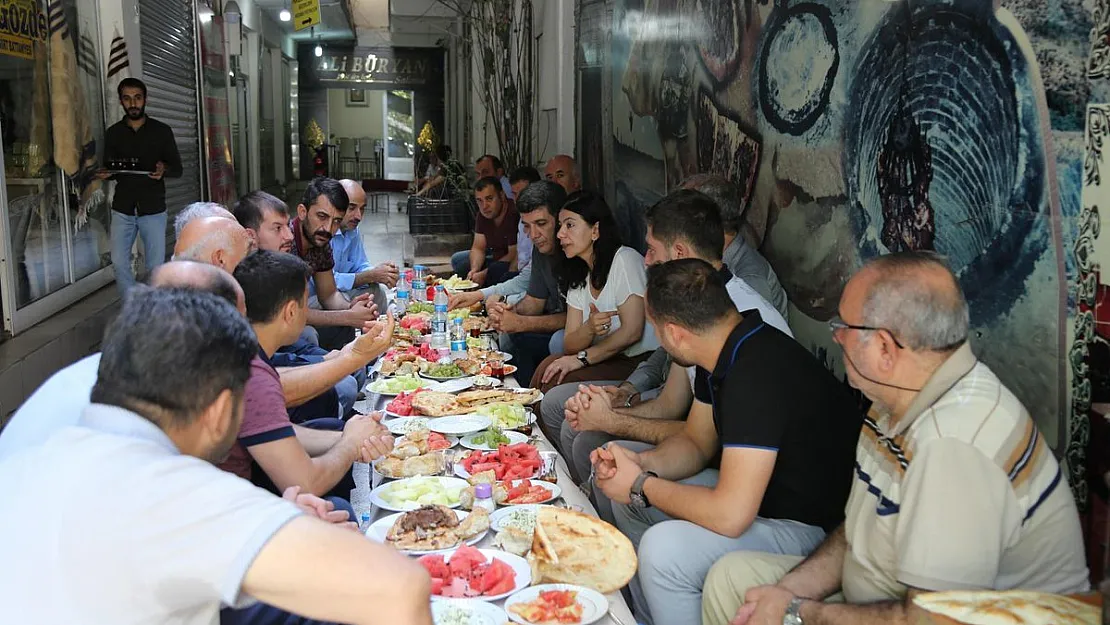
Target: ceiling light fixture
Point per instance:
(319, 51)
(284, 15)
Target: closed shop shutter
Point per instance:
(168, 37)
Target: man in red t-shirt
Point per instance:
(276, 290)
(495, 235)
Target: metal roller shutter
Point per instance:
(168, 33)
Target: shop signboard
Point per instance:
(400, 68)
(306, 13)
(22, 23)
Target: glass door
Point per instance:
(400, 137)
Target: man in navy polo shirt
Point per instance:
(780, 427)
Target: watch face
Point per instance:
(638, 500)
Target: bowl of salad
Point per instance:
(396, 385)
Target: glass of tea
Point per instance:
(497, 369)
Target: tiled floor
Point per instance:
(385, 234)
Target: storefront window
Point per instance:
(51, 128)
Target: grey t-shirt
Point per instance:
(544, 286)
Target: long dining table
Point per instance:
(573, 496)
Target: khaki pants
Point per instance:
(734, 574)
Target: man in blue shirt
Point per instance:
(353, 273)
(489, 166)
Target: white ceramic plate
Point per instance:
(441, 379)
(513, 436)
(480, 612)
(497, 519)
(399, 426)
(455, 385)
(371, 388)
(529, 418)
(554, 488)
(521, 390)
(460, 425)
(594, 604)
(489, 383)
(380, 529)
(519, 565)
(377, 500)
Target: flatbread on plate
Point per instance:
(436, 404)
(1007, 607)
(570, 547)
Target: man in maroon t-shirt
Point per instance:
(495, 234)
(276, 290)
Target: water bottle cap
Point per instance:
(418, 267)
(483, 491)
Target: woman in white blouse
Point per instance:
(606, 333)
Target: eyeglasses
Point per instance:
(836, 323)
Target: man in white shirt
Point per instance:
(161, 535)
(685, 224)
(60, 400)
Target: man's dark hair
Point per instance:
(496, 161)
(330, 189)
(270, 280)
(487, 182)
(520, 174)
(688, 292)
(692, 217)
(171, 352)
(541, 194)
(248, 209)
(130, 83)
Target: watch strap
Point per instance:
(583, 358)
(793, 614)
(638, 484)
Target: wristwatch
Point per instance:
(793, 614)
(583, 359)
(636, 493)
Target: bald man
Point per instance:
(563, 171)
(218, 241)
(62, 398)
(198, 210)
(954, 488)
(354, 274)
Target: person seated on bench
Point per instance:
(489, 259)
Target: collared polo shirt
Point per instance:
(265, 418)
(769, 392)
(149, 535)
(57, 403)
(960, 493)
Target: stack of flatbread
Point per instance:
(570, 547)
(473, 399)
(1010, 607)
(436, 404)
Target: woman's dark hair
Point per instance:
(571, 273)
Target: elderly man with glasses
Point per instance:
(953, 487)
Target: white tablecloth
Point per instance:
(619, 613)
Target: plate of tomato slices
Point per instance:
(529, 491)
(487, 574)
(508, 462)
(554, 604)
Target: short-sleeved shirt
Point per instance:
(499, 236)
(543, 284)
(769, 392)
(152, 535)
(59, 402)
(961, 493)
(627, 277)
(265, 418)
(320, 259)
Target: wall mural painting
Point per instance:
(860, 128)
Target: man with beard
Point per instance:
(318, 217)
(780, 427)
(354, 274)
(139, 205)
(493, 252)
(177, 538)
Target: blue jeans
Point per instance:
(124, 230)
(263, 614)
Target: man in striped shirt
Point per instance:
(954, 487)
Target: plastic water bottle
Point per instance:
(458, 339)
(364, 522)
(418, 285)
(439, 321)
(404, 292)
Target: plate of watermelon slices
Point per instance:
(486, 574)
